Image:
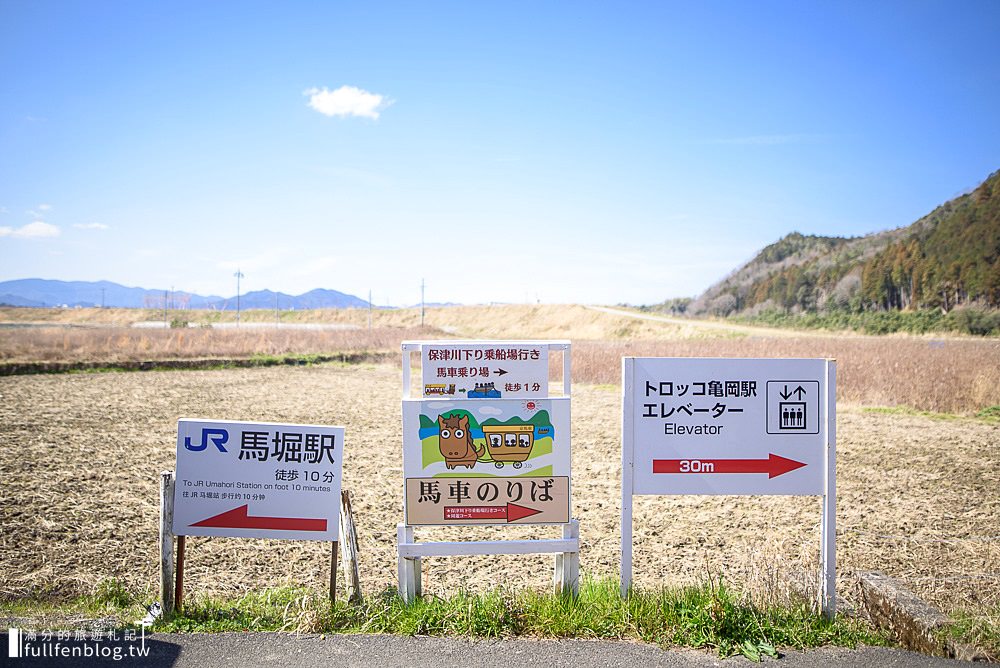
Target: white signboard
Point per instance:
(258, 480)
(503, 461)
(731, 426)
(485, 370)
(727, 426)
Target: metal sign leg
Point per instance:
(167, 543)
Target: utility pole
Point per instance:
(369, 310)
(276, 319)
(238, 275)
(421, 302)
(102, 297)
(165, 309)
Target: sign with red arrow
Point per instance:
(730, 426)
(510, 512)
(727, 426)
(493, 500)
(239, 518)
(258, 480)
(773, 466)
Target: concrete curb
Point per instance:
(917, 625)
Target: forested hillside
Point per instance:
(949, 258)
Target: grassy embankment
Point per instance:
(709, 617)
(967, 321)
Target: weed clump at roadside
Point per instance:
(710, 616)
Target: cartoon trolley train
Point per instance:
(509, 443)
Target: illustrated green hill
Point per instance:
(539, 419)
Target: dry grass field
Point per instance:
(498, 321)
(919, 494)
(951, 374)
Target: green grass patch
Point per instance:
(363, 359)
(980, 629)
(977, 322)
(111, 599)
(906, 410)
(293, 359)
(708, 617)
(991, 414)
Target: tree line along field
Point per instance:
(919, 492)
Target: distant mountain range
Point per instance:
(948, 258)
(47, 293)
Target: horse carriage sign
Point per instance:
(485, 444)
(486, 461)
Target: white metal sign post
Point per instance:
(730, 426)
(486, 445)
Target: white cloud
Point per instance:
(347, 101)
(39, 211)
(489, 410)
(90, 226)
(36, 230)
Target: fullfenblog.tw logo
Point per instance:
(111, 645)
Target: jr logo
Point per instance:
(216, 436)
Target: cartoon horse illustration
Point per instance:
(455, 442)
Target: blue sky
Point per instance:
(553, 152)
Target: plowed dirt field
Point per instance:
(80, 457)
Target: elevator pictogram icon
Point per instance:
(794, 415)
(792, 407)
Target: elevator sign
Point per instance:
(731, 426)
(727, 426)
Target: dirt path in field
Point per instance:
(706, 324)
(81, 456)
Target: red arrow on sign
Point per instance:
(510, 512)
(773, 466)
(238, 518)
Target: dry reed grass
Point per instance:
(947, 376)
(493, 321)
(56, 344)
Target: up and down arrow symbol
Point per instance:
(799, 392)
